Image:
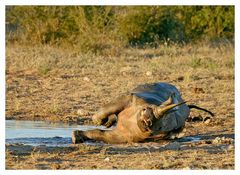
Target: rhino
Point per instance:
(148, 112)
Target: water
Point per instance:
(190, 139)
(42, 133)
(51, 134)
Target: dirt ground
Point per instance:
(47, 83)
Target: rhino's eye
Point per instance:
(143, 111)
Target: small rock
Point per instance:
(227, 140)
(217, 140)
(94, 166)
(173, 146)
(208, 141)
(107, 159)
(198, 90)
(207, 121)
(56, 166)
(104, 151)
(86, 79)
(82, 112)
(230, 147)
(181, 78)
(149, 73)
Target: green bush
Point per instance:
(89, 28)
(149, 24)
(210, 22)
(101, 29)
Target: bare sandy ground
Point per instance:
(46, 83)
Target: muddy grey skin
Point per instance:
(148, 112)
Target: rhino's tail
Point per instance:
(196, 107)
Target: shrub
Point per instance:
(144, 25)
(101, 29)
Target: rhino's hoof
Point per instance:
(77, 137)
(97, 123)
(108, 124)
(96, 120)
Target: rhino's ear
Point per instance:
(160, 111)
(168, 101)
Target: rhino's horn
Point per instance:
(160, 111)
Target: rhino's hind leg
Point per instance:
(101, 117)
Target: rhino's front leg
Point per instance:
(81, 136)
(102, 116)
(97, 134)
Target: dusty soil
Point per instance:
(46, 83)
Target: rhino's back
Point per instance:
(156, 93)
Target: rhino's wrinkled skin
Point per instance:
(147, 112)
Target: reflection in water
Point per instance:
(41, 133)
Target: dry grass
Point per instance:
(47, 83)
(60, 81)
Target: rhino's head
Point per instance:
(148, 113)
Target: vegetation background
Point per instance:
(107, 29)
